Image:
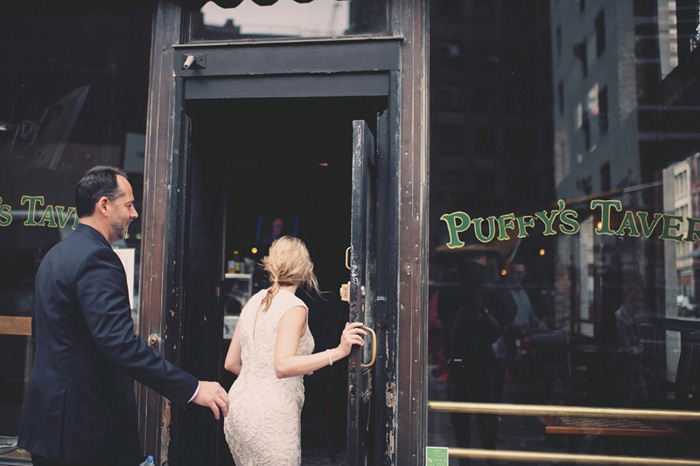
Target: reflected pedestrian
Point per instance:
(475, 374)
(525, 314)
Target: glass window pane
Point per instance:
(73, 95)
(289, 19)
(564, 222)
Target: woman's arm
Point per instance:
(233, 361)
(291, 328)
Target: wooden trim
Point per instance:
(411, 420)
(285, 41)
(154, 413)
(15, 325)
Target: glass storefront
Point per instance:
(565, 204)
(73, 94)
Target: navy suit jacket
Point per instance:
(80, 403)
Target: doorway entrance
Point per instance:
(258, 168)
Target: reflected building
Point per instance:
(620, 125)
(491, 126)
(679, 203)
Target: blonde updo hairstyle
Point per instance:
(288, 263)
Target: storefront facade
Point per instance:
(531, 262)
(233, 123)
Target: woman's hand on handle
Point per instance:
(292, 326)
(352, 335)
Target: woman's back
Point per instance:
(263, 425)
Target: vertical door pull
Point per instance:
(374, 347)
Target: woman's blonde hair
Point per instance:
(288, 263)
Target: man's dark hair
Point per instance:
(98, 182)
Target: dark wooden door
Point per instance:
(363, 274)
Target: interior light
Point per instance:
(541, 252)
(323, 164)
(254, 250)
(503, 272)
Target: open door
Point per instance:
(362, 297)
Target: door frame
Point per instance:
(314, 68)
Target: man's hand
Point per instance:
(213, 396)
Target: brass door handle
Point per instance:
(347, 258)
(374, 347)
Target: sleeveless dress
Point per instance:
(263, 426)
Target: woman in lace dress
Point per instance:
(270, 352)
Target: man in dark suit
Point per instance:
(80, 407)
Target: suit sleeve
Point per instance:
(104, 298)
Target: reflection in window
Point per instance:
(600, 33)
(603, 111)
(668, 35)
(560, 92)
(449, 49)
(483, 10)
(581, 52)
(449, 95)
(484, 141)
(558, 36)
(73, 95)
(289, 19)
(586, 130)
(605, 177)
(611, 295)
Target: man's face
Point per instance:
(123, 211)
(517, 274)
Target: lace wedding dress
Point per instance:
(263, 422)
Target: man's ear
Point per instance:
(102, 205)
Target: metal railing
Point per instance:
(568, 458)
(567, 411)
(571, 411)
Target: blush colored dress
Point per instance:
(263, 426)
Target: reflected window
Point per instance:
(603, 111)
(600, 33)
(560, 91)
(289, 19)
(558, 42)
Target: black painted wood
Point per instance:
(289, 58)
(363, 268)
(339, 85)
